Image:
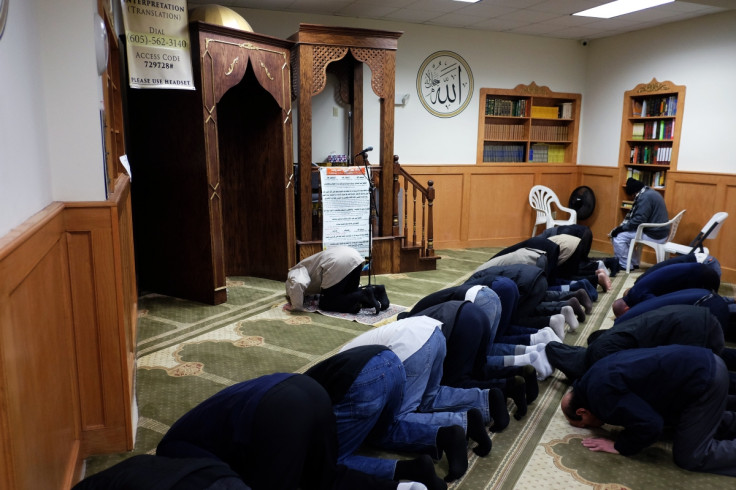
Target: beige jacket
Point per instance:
(321, 270)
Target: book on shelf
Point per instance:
(506, 107)
(566, 110)
(654, 179)
(627, 204)
(556, 153)
(504, 132)
(646, 154)
(636, 108)
(544, 112)
(538, 153)
(498, 152)
(659, 106)
(637, 131)
(549, 133)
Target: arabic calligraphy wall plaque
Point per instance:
(445, 84)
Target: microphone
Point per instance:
(370, 148)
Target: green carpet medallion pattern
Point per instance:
(188, 351)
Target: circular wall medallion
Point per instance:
(445, 84)
(3, 15)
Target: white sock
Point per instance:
(546, 335)
(542, 365)
(557, 323)
(520, 360)
(411, 485)
(532, 348)
(601, 265)
(570, 317)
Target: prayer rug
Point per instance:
(366, 316)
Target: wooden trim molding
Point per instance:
(67, 340)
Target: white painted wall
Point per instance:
(700, 54)
(25, 180)
(50, 137)
(50, 143)
(496, 60)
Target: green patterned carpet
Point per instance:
(188, 351)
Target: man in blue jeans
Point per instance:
(276, 432)
(366, 387)
(644, 390)
(420, 345)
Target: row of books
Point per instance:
(506, 107)
(653, 130)
(654, 179)
(504, 132)
(509, 132)
(520, 108)
(543, 153)
(655, 106)
(550, 133)
(651, 154)
(503, 153)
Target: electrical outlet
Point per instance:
(334, 112)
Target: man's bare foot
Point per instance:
(603, 279)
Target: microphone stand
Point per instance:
(372, 211)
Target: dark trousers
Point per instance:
(695, 446)
(345, 296)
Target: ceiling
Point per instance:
(550, 18)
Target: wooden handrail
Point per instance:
(425, 222)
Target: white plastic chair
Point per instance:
(639, 239)
(541, 199)
(708, 232)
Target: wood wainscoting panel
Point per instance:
(703, 195)
(607, 213)
(488, 205)
(68, 312)
(39, 406)
(103, 281)
(498, 209)
(450, 187)
(699, 198)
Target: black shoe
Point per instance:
(612, 264)
(369, 300)
(379, 291)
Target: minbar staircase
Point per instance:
(417, 232)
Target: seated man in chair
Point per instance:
(648, 207)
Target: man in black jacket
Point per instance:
(645, 390)
(648, 207)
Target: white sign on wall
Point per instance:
(345, 208)
(157, 35)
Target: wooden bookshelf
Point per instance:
(527, 124)
(650, 134)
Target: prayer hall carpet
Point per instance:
(188, 351)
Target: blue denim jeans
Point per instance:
(427, 406)
(489, 302)
(621, 247)
(371, 404)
